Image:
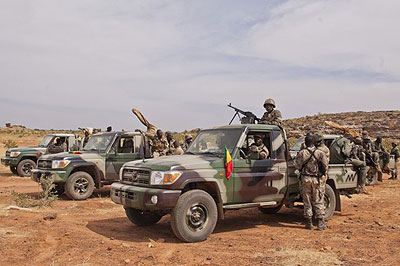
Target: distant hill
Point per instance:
(378, 123)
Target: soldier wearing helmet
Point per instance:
(188, 141)
(159, 144)
(320, 144)
(271, 116)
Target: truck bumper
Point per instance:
(141, 197)
(57, 176)
(8, 161)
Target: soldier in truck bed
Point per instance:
(341, 153)
(159, 144)
(271, 116)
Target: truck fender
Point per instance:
(91, 169)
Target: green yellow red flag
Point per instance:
(228, 164)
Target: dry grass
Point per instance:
(46, 198)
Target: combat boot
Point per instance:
(321, 224)
(363, 190)
(309, 224)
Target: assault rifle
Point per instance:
(248, 117)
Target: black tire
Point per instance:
(330, 202)
(13, 170)
(25, 167)
(79, 186)
(142, 218)
(194, 217)
(372, 177)
(270, 210)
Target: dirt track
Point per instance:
(96, 232)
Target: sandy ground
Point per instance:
(96, 232)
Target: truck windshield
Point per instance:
(46, 141)
(213, 142)
(99, 143)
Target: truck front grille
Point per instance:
(44, 164)
(136, 176)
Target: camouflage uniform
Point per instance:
(188, 141)
(395, 151)
(313, 197)
(384, 155)
(341, 150)
(258, 152)
(159, 146)
(178, 151)
(272, 118)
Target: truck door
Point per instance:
(261, 180)
(123, 150)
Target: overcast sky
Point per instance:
(73, 63)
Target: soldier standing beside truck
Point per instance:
(271, 116)
(396, 153)
(313, 165)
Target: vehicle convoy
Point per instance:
(22, 160)
(79, 172)
(193, 187)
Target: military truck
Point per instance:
(79, 173)
(22, 160)
(194, 189)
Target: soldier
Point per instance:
(396, 153)
(271, 116)
(59, 146)
(383, 155)
(170, 141)
(312, 164)
(371, 157)
(109, 129)
(320, 144)
(178, 149)
(341, 153)
(159, 144)
(188, 141)
(257, 150)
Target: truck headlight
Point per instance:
(60, 164)
(14, 153)
(164, 178)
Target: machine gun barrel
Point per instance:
(251, 118)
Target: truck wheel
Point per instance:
(270, 210)
(25, 167)
(79, 186)
(194, 217)
(330, 202)
(142, 218)
(13, 170)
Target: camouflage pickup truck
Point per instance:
(97, 164)
(194, 190)
(22, 160)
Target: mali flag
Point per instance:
(228, 164)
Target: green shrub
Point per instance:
(9, 144)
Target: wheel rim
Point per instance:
(81, 186)
(27, 168)
(197, 217)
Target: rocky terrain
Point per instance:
(377, 123)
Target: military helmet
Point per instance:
(365, 134)
(358, 140)
(269, 102)
(168, 133)
(318, 138)
(188, 136)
